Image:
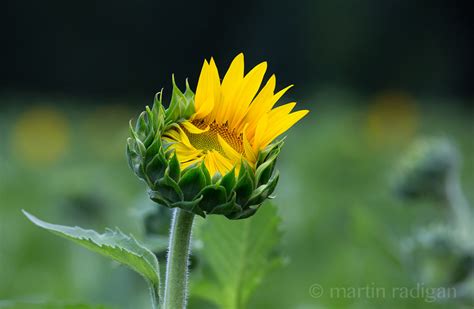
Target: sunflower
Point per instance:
(232, 120)
(213, 151)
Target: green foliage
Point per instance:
(236, 256)
(341, 221)
(113, 244)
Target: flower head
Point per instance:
(214, 152)
(232, 121)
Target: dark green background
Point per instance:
(376, 76)
(122, 48)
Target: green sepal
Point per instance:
(158, 198)
(206, 174)
(244, 169)
(151, 132)
(273, 148)
(245, 213)
(154, 148)
(169, 189)
(173, 113)
(189, 95)
(192, 182)
(264, 191)
(191, 206)
(227, 208)
(159, 112)
(244, 188)
(181, 105)
(173, 168)
(155, 170)
(141, 126)
(272, 183)
(134, 159)
(228, 181)
(132, 130)
(265, 171)
(151, 119)
(213, 196)
(140, 148)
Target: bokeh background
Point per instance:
(376, 75)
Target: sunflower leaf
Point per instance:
(113, 244)
(236, 256)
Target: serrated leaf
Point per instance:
(113, 244)
(236, 256)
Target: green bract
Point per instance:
(234, 195)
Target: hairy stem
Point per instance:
(176, 283)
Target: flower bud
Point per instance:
(213, 152)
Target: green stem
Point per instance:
(176, 283)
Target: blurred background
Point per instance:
(378, 76)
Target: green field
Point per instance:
(64, 161)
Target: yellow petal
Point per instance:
(207, 90)
(228, 150)
(210, 163)
(205, 109)
(202, 89)
(257, 107)
(260, 132)
(223, 164)
(247, 92)
(230, 85)
(250, 154)
(234, 75)
(282, 110)
(191, 128)
(215, 81)
(263, 108)
(189, 163)
(281, 126)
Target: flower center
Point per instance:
(209, 141)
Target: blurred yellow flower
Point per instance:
(233, 120)
(41, 135)
(392, 119)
